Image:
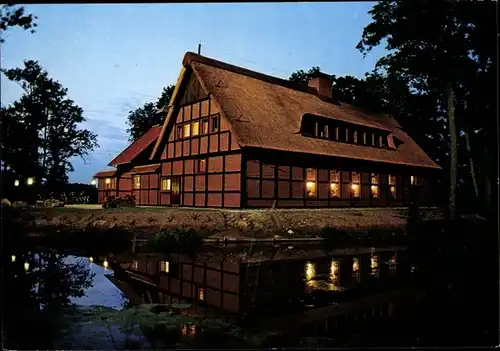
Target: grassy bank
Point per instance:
(213, 223)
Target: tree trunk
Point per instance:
(453, 150)
(471, 161)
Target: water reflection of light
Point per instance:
(105, 263)
(334, 276)
(374, 261)
(26, 266)
(91, 259)
(13, 258)
(310, 272)
(355, 265)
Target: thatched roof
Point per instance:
(266, 112)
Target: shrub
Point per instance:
(116, 202)
(172, 240)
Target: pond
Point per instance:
(228, 297)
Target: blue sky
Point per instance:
(114, 58)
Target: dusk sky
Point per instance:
(114, 58)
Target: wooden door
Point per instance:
(176, 191)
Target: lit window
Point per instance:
(137, 182)
(178, 132)
(108, 181)
(311, 189)
(166, 184)
(311, 174)
(135, 265)
(201, 294)
(364, 138)
(200, 165)
(196, 128)
(392, 186)
(355, 136)
(334, 176)
(334, 184)
(30, 181)
(334, 190)
(380, 142)
(164, 266)
(16, 182)
(204, 126)
(413, 180)
(373, 139)
(374, 186)
(355, 188)
(187, 130)
(214, 125)
(336, 133)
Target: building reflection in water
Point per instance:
(375, 259)
(334, 276)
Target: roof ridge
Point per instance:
(191, 56)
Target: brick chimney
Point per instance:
(322, 83)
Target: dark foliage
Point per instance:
(117, 202)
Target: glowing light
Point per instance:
(355, 265)
(107, 180)
(310, 271)
(93, 182)
(26, 266)
(91, 259)
(105, 263)
(334, 268)
(30, 181)
(310, 185)
(201, 295)
(13, 258)
(374, 261)
(355, 186)
(16, 182)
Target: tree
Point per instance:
(143, 118)
(40, 130)
(11, 16)
(436, 47)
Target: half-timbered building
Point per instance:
(237, 138)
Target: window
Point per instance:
(347, 135)
(166, 184)
(342, 134)
(374, 186)
(187, 130)
(334, 184)
(204, 126)
(322, 130)
(164, 266)
(137, 182)
(201, 294)
(373, 139)
(355, 136)
(336, 133)
(200, 165)
(392, 186)
(311, 182)
(364, 138)
(195, 129)
(178, 132)
(214, 124)
(135, 264)
(413, 180)
(380, 142)
(355, 187)
(107, 181)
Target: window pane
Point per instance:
(214, 124)
(392, 180)
(334, 175)
(355, 177)
(195, 128)
(311, 189)
(178, 132)
(311, 174)
(392, 192)
(356, 190)
(413, 180)
(187, 130)
(374, 178)
(200, 165)
(166, 184)
(374, 191)
(204, 126)
(334, 190)
(137, 182)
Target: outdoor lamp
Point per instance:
(91, 259)
(13, 258)
(26, 266)
(16, 182)
(93, 182)
(30, 180)
(105, 263)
